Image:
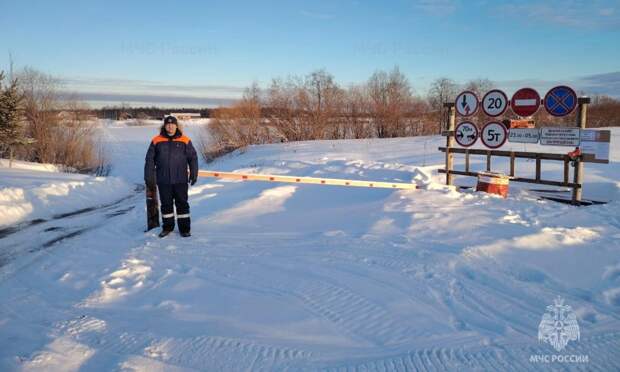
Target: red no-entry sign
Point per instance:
(525, 102)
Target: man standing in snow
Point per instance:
(167, 161)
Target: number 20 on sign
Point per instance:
(494, 103)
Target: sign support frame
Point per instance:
(450, 141)
(582, 116)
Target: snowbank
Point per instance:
(31, 191)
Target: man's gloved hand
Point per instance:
(192, 181)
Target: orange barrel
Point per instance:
(493, 183)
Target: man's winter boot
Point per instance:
(164, 233)
(186, 234)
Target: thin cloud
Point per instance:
(603, 84)
(598, 84)
(143, 86)
(99, 92)
(97, 99)
(574, 14)
(607, 84)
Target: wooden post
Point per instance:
(512, 164)
(450, 141)
(582, 113)
(466, 160)
(488, 161)
(538, 166)
(566, 169)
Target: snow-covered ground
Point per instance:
(290, 277)
(36, 191)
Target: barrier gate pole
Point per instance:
(581, 123)
(307, 180)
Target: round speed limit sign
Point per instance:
(494, 135)
(494, 103)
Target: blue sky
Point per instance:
(205, 52)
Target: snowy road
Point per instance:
(30, 237)
(304, 277)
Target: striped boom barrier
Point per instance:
(308, 180)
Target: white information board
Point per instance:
(560, 136)
(595, 144)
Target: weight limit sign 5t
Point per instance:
(494, 135)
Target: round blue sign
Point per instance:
(560, 101)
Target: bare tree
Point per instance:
(60, 127)
(284, 111)
(479, 86)
(356, 112)
(325, 102)
(604, 112)
(253, 93)
(236, 127)
(400, 95)
(442, 90)
(306, 108)
(82, 148)
(378, 93)
(40, 103)
(390, 100)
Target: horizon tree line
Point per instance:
(316, 107)
(34, 115)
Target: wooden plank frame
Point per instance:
(513, 155)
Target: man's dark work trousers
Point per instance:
(177, 194)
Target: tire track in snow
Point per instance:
(34, 239)
(464, 291)
(505, 358)
(349, 310)
(353, 313)
(21, 226)
(220, 353)
(198, 352)
(224, 352)
(475, 295)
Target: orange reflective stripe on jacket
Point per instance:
(159, 138)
